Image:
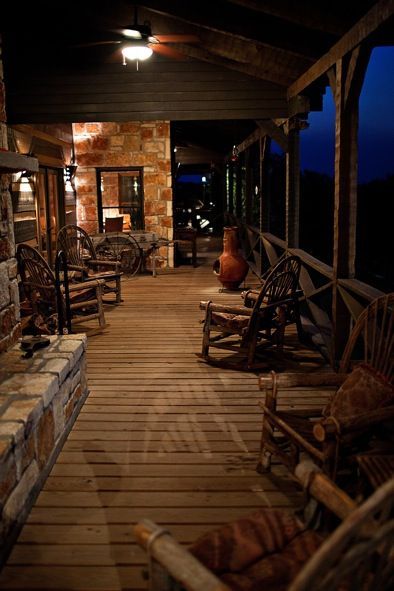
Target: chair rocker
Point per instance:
(359, 412)
(275, 307)
(82, 259)
(271, 550)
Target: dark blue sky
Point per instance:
(376, 128)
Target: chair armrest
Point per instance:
(175, 559)
(77, 268)
(38, 285)
(250, 294)
(86, 284)
(242, 310)
(322, 488)
(330, 426)
(104, 263)
(291, 380)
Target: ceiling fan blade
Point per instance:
(95, 43)
(168, 52)
(178, 38)
(115, 57)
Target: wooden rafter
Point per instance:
(269, 127)
(363, 29)
(290, 11)
(263, 72)
(221, 40)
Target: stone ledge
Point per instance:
(40, 398)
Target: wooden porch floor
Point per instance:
(162, 435)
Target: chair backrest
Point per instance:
(284, 263)
(76, 244)
(26, 252)
(358, 555)
(41, 280)
(373, 332)
(114, 224)
(277, 288)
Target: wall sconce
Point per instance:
(69, 176)
(234, 154)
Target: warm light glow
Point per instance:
(136, 52)
(132, 33)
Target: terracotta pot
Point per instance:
(230, 268)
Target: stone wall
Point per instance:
(9, 297)
(140, 144)
(39, 401)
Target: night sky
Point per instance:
(376, 128)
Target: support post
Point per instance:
(349, 76)
(293, 184)
(265, 147)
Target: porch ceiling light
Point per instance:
(137, 50)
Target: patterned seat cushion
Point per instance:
(235, 322)
(363, 390)
(263, 550)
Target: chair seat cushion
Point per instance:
(363, 390)
(263, 550)
(235, 322)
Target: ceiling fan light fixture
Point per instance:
(136, 51)
(132, 33)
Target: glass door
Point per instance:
(50, 209)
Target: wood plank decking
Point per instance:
(162, 435)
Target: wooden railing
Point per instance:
(262, 250)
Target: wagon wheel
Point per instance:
(121, 248)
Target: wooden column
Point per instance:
(265, 197)
(346, 85)
(248, 187)
(293, 184)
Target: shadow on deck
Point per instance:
(162, 436)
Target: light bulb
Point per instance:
(136, 52)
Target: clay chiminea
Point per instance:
(230, 268)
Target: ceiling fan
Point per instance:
(137, 43)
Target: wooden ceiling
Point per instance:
(268, 39)
(245, 55)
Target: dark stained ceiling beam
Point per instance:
(293, 12)
(270, 128)
(228, 60)
(200, 23)
(379, 14)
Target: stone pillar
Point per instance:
(112, 145)
(9, 297)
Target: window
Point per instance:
(120, 193)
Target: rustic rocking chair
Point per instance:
(360, 409)
(274, 308)
(270, 550)
(48, 298)
(81, 258)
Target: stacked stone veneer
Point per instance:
(9, 297)
(139, 144)
(39, 400)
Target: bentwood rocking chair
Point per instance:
(272, 550)
(82, 259)
(49, 299)
(359, 415)
(245, 330)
